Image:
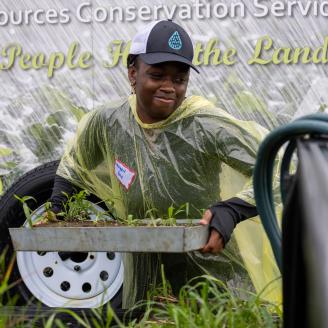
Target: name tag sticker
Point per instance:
(124, 174)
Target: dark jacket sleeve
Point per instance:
(227, 214)
(57, 197)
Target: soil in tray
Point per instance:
(88, 223)
(78, 224)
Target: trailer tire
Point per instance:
(37, 183)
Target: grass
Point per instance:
(205, 302)
(26, 209)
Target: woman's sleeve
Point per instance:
(61, 188)
(84, 152)
(236, 144)
(227, 214)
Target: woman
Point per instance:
(161, 148)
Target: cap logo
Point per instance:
(175, 41)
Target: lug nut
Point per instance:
(77, 268)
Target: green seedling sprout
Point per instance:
(51, 216)
(78, 208)
(170, 218)
(131, 221)
(152, 212)
(26, 209)
(172, 213)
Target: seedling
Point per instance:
(170, 219)
(77, 208)
(51, 216)
(152, 213)
(172, 213)
(131, 221)
(26, 209)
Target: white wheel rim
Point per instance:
(89, 281)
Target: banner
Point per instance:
(259, 60)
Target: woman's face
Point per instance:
(160, 88)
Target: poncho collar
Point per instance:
(190, 106)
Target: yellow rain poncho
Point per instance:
(199, 154)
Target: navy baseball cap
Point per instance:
(163, 41)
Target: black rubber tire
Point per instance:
(37, 183)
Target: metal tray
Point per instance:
(160, 239)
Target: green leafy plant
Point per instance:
(152, 214)
(7, 264)
(172, 213)
(77, 208)
(131, 221)
(6, 165)
(5, 273)
(170, 218)
(26, 209)
(207, 302)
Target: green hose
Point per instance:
(263, 172)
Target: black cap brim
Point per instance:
(153, 58)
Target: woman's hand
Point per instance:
(215, 243)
